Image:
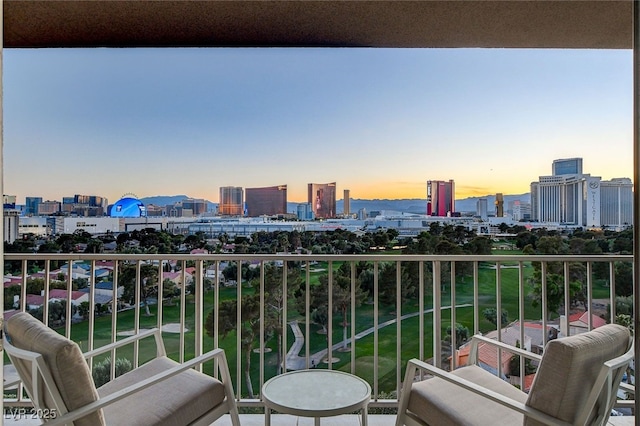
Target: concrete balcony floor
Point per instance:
(276, 420)
(355, 420)
(345, 420)
(286, 420)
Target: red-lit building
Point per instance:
(322, 197)
(268, 201)
(441, 196)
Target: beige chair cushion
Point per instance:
(440, 403)
(177, 401)
(569, 369)
(64, 359)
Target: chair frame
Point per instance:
(42, 382)
(606, 383)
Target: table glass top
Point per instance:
(316, 390)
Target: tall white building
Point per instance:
(37, 225)
(11, 225)
(574, 198)
(562, 199)
(521, 211)
(482, 208)
(93, 225)
(567, 166)
(616, 203)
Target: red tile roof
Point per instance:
(581, 319)
(62, 294)
(487, 354)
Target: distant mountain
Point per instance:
(165, 200)
(408, 205)
(470, 204)
(419, 206)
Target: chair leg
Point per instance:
(233, 413)
(405, 392)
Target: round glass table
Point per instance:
(316, 393)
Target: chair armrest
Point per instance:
(416, 364)
(126, 341)
(123, 393)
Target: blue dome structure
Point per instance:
(128, 207)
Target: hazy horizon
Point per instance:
(379, 122)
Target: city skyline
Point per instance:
(379, 122)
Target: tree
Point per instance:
(491, 315)
(479, 246)
(624, 278)
(624, 306)
(49, 246)
(57, 312)
(381, 239)
(553, 245)
(555, 291)
(342, 295)
(147, 282)
(320, 316)
(623, 245)
(35, 285)
(275, 300)
(462, 334)
(514, 364)
(387, 285)
(83, 310)
(25, 245)
(9, 296)
(102, 370)
(169, 290)
(94, 246)
(249, 328)
(525, 238)
(80, 283)
(195, 241)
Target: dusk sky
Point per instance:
(379, 122)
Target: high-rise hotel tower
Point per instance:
(267, 201)
(231, 201)
(572, 197)
(568, 196)
(441, 198)
(322, 197)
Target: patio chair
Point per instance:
(58, 380)
(575, 384)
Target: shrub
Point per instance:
(102, 370)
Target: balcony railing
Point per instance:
(382, 310)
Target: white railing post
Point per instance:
(636, 192)
(398, 325)
(499, 312)
(199, 309)
(353, 317)
(437, 314)
(376, 334)
(454, 337)
(330, 318)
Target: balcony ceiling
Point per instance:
(437, 23)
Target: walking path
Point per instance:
(297, 362)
